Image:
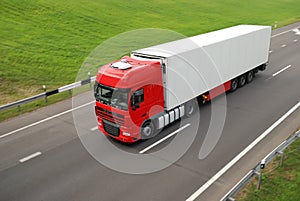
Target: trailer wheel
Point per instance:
(242, 81)
(147, 130)
(234, 84)
(190, 108)
(249, 76)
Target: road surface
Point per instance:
(42, 158)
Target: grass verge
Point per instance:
(46, 42)
(29, 107)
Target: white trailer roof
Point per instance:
(188, 44)
(198, 64)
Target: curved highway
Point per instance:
(42, 158)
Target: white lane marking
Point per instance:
(297, 32)
(285, 32)
(284, 45)
(44, 120)
(163, 139)
(94, 128)
(280, 71)
(242, 154)
(295, 40)
(31, 156)
(270, 51)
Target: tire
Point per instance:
(249, 76)
(190, 108)
(234, 84)
(147, 130)
(242, 81)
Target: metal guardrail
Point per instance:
(48, 93)
(256, 170)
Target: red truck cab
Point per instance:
(128, 93)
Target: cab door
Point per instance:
(139, 109)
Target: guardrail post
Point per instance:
(282, 157)
(259, 179)
(45, 88)
(19, 108)
(89, 77)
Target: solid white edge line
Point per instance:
(31, 156)
(241, 154)
(44, 120)
(285, 32)
(163, 139)
(280, 71)
(94, 128)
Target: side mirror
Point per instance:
(136, 98)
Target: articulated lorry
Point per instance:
(139, 94)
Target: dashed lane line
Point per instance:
(31, 156)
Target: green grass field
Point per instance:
(278, 183)
(46, 41)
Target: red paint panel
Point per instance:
(218, 90)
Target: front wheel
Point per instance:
(147, 130)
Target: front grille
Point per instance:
(111, 128)
(110, 116)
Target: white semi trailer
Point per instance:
(169, 77)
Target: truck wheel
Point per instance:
(147, 130)
(190, 108)
(249, 76)
(242, 81)
(234, 84)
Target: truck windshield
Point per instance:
(114, 97)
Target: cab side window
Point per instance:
(137, 97)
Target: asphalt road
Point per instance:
(64, 170)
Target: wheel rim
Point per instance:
(234, 84)
(147, 130)
(250, 76)
(243, 81)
